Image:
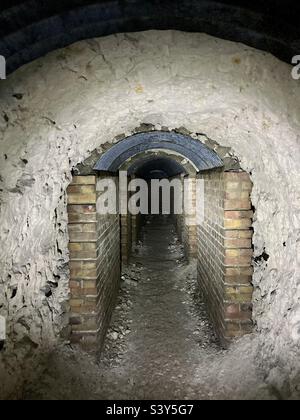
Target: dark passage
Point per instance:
(166, 329)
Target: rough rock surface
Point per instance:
(56, 111)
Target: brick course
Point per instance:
(186, 225)
(94, 246)
(225, 252)
(223, 243)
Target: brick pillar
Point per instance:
(83, 259)
(190, 224)
(225, 252)
(238, 254)
(109, 267)
(94, 263)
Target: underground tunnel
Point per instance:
(225, 234)
(149, 306)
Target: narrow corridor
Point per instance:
(160, 344)
(169, 327)
(159, 331)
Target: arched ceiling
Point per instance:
(31, 28)
(201, 157)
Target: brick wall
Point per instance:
(189, 236)
(225, 252)
(186, 224)
(223, 243)
(94, 243)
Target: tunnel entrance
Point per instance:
(219, 240)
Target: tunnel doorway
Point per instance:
(221, 244)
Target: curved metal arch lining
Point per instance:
(197, 153)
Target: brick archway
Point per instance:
(222, 243)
